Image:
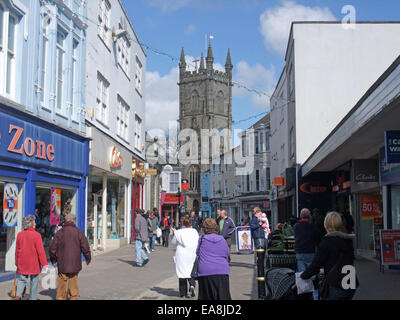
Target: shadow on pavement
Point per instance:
(52, 293)
(132, 263)
(166, 292)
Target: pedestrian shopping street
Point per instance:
(113, 276)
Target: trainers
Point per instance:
(146, 261)
(192, 291)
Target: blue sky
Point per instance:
(256, 31)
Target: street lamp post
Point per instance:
(260, 250)
(179, 208)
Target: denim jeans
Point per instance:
(152, 241)
(304, 260)
(22, 280)
(340, 294)
(140, 252)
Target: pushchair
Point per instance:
(281, 285)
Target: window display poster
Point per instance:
(244, 239)
(390, 247)
(55, 207)
(370, 207)
(10, 205)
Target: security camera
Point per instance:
(119, 34)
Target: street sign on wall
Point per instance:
(392, 146)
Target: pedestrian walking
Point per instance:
(348, 221)
(226, 228)
(318, 221)
(334, 252)
(218, 216)
(194, 220)
(30, 257)
(146, 243)
(213, 268)
(141, 236)
(306, 237)
(152, 224)
(65, 250)
(165, 225)
(186, 240)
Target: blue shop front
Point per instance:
(43, 170)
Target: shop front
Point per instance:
(169, 204)
(138, 174)
(43, 170)
(109, 187)
(248, 203)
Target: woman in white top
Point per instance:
(186, 240)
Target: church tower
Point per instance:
(205, 102)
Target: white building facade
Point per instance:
(328, 68)
(115, 117)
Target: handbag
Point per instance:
(195, 270)
(14, 288)
(324, 289)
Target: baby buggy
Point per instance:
(281, 285)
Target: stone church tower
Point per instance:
(205, 102)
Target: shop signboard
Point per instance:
(390, 247)
(365, 170)
(370, 206)
(389, 173)
(55, 207)
(10, 205)
(185, 185)
(29, 143)
(392, 146)
(244, 241)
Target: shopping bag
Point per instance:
(159, 233)
(303, 286)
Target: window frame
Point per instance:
(59, 97)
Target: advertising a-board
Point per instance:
(244, 240)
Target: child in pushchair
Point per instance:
(281, 285)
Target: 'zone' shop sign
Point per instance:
(29, 146)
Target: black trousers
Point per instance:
(215, 287)
(165, 238)
(183, 285)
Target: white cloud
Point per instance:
(190, 29)
(170, 5)
(254, 77)
(276, 22)
(162, 96)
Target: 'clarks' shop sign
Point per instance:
(31, 145)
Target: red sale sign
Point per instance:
(390, 247)
(370, 207)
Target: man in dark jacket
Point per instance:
(306, 237)
(194, 220)
(65, 250)
(165, 225)
(226, 228)
(142, 235)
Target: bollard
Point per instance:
(260, 250)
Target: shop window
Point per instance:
(52, 205)
(115, 209)
(10, 222)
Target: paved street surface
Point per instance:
(113, 276)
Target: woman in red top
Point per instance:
(29, 257)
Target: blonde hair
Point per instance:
(333, 222)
